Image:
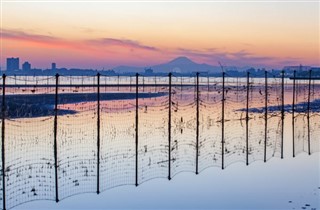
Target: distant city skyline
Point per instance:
(179, 65)
(109, 34)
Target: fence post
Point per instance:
(247, 120)
(142, 83)
(308, 112)
(197, 129)
(98, 133)
(118, 82)
(2, 141)
(169, 126)
(55, 137)
(181, 87)
(137, 134)
(282, 113)
(208, 81)
(237, 88)
(222, 119)
(155, 84)
(293, 112)
(265, 115)
(81, 82)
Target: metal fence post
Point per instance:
(247, 120)
(293, 112)
(265, 115)
(308, 112)
(142, 83)
(118, 82)
(155, 84)
(222, 120)
(169, 127)
(137, 124)
(197, 128)
(3, 141)
(55, 137)
(181, 87)
(98, 133)
(282, 113)
(208, 81)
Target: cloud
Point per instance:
(20, 35)
(39, 40)
(132, 44)
(85, 44)
(238, 58)
(133, 50)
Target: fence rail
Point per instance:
(62, 136)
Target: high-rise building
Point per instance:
(12, 64)
(53, 66)
(26, 66)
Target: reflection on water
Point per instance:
(214, 126)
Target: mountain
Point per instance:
(181, 61)
(122, 69)
(180, 65)
(184, 65)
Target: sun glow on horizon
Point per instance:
(108, 34)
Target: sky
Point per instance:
(104, 34)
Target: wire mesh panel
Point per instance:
(257, 121)
(210, 122)
(29, 140)
(133, 118)
(301, 121)
(117, 161)
(183, 125)
(77, 137)
(1, 114)
(314, 133)
(153, 133)
(235, 120)
(274, 121)
(155, 83)
(315, 117)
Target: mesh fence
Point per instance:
(235, 120)
(1, 167)
(306, 116)
(153, 134)
(183, 125)
(210, 138)
(117, 164)
(274, 117)
(301, 120)
(257, 121)
(29, 157)
(314, 133)
(315, 117)
(120, 135)
(77, 137)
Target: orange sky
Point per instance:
(107, 34)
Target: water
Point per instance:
(30, 161)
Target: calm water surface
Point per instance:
(289, 183)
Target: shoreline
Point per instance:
(42, 105)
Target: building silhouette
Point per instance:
(297, 68)
(53, 66)
(26, 66)
(12, 64)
